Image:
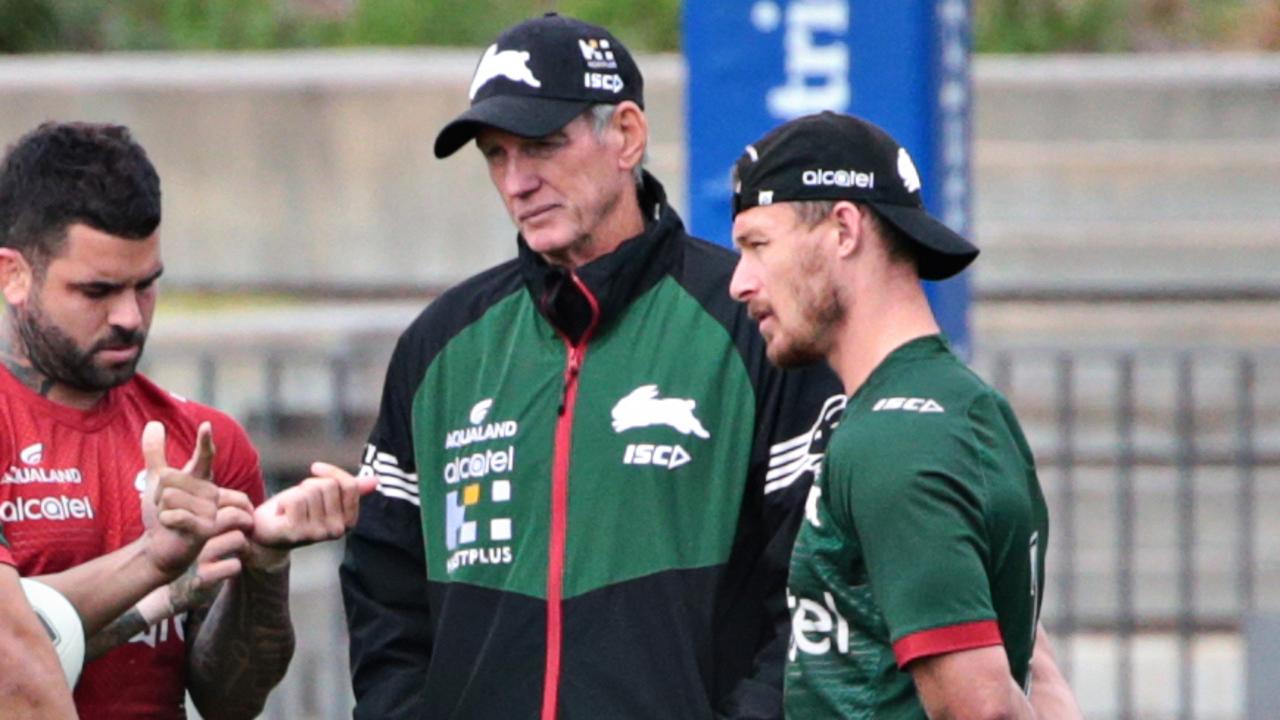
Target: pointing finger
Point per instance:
(201, 463)
(153, 447)
(324, 469)
(364, 484)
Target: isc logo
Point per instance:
(667, 456)
(918, 405)
(602, 81)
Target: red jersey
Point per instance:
(71, 492)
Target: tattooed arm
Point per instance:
(194, 589)
(164, 602)
(241, 646)
(117, 633)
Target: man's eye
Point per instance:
(542, 149)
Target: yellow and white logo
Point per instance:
(461, 532)
(597, 53)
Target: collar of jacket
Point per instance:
(615, 279)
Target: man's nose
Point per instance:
(517, 177)
(743, 284)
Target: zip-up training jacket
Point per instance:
(589, 485)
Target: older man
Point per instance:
(590, 477)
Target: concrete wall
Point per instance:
(306, 167)
(1151, 175)
(1145, 172)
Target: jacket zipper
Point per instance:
(560, 504)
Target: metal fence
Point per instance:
(1161, 468)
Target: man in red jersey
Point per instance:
(79, 261)
(184, 504)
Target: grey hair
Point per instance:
(600, 114)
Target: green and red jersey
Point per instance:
(589, 484)
(925, 534)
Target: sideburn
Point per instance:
(824, 302)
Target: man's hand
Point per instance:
(322, 507)
(218, 561)
(180, 508)
(194, 533)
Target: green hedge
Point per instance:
(1000, 25)
(1017, 26)
(88, 25)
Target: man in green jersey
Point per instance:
(916, 579)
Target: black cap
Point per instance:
(830, 156)
(541, 74)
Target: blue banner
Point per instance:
(902, 64)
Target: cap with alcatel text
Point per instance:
(541, 74)
(831, 156)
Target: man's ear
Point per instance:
(629, 120)
(16, 276)
(849, 233)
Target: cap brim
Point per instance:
(942, 252)
(517, 114)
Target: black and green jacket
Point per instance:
(590, 482)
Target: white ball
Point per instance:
(62, 622)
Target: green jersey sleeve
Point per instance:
(916, 499)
